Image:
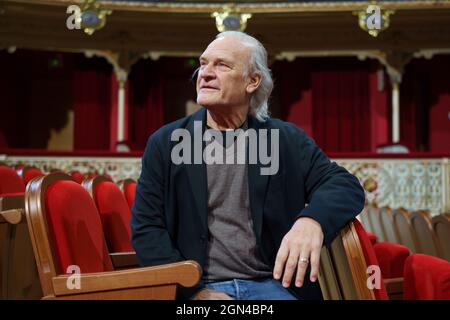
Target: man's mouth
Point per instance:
(208, 88)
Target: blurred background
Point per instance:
(84, 83)
(85, 80)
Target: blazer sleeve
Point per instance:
(150, 237)
(334, 195)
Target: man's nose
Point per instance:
(207, 72)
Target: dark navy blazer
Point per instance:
(169, 220)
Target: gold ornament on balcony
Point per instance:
(92, 18)
(374, 19)
(231, 19)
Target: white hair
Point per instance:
(259, 102)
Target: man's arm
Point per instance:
(335, 197)
(150, 237)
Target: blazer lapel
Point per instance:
(257, 183)
(197, 172)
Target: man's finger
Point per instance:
(302, 266)
(315, 263)
(291, 265)
(282, 255)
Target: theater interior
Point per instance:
(79, 99)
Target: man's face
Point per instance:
(220, 81)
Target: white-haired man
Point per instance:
(249, 229)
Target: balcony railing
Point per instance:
(412, 183)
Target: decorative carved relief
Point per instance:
(410, 183)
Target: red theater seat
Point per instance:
(114, 212)
(391, 258)
(128, 187)
(67, 237)
(372, 238)
(426, 278)
(10, 181)
(370, 257)
(17, 266)
(29, 173)
(344, 267)
(77, 176)
(421, 222)
(441, 228)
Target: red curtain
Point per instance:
(329, 98)
(439, 110)
(425, 105)
(293, 92)
(35, 96)
(145, 104)
(341, 115)
(91, 105)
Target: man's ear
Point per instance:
(254, 80)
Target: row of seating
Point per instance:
(87, 226)
(345, 272)
(419, 230)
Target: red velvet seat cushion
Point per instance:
(10, 181)
(115, 215)
(31, 173)
(372, 237)
(391, 257)
(130, 193)
(426, 278)
(75, 228)
(370, 257)
(78, 176)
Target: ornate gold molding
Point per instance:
(121, 61)
(177, 7)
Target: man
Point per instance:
(249, 229)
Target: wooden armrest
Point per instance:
(394, 288)
(394, 284)
(13, 216)
(185, 273)
(124, 259)
(13, 202)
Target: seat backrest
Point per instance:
(114, 212)
(77, 176)
(65, 228)
(344, 267)
(128, 187)
(391, 258)
(364, 218)
(375, 220)
(426, 278)
(10, 181)
(406, 233)
(388, 225)
(28, 173)
(370, 208)
(423, 228)
(370, 257)
(441, 227)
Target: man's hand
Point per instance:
(210, 294)
(300, 246)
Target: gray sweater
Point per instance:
(232, 251)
